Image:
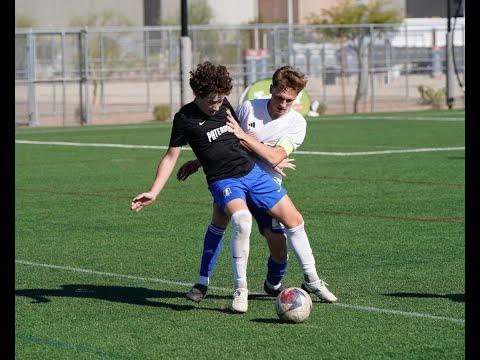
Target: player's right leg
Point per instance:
(271, 197)
(212, 244)
(277, 262)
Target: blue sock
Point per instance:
(276, 271)
(212, 245)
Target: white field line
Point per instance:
(90, 128)
(180, 283)
(123, 127)
(407, 118)
(325, 153)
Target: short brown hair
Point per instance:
(287, 76)
(210, 79)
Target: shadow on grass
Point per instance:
(268, 321)
(452, 297)
(120, 294)
(456, 157)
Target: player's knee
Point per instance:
(294, 221)
(242, 222)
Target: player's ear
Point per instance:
(271, 88)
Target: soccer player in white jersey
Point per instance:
(272, 130)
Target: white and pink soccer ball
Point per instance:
(293, 305)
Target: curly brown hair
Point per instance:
(287, 76)
(210, 79)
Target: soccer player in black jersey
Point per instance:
(281, 130)
(232, 176)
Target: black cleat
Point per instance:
(273, 292)
(197, 292)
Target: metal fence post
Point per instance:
(102, 72)
(87, 108)
(32, 96)
(64, 88)
(54, 85)
(324, 74)
(239, 61)
(81, 71)
(407, 62)
(147, 66)
(170, 80)
(290, 57)
(276, 46)
(372, 71)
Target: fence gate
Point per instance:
(51, 78)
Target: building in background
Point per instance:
(275, 11)
(59, 13)
(224, 12)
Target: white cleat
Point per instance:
(240, 301)
(319, 288)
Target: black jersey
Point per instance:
(218, 150)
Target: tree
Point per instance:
(111, 47)
(24, 21)
(349, 12)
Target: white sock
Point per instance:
(240, 246)
(298, 241)
(273, 287)
(204, 280)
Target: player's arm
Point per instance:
(272, 154)
(164, 169)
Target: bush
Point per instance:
(432, 97)
(322, 107)
(317, 108)
(161, 112)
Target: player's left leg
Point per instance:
(271, 197)
(285, 211)
(277, 261)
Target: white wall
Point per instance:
(225, 11)
(234, 11)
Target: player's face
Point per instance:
(210, 104)
(281, 101)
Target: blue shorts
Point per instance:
(257, 189)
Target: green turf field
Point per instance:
(383, 200)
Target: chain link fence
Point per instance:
(112, 75)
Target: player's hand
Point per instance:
(234, 127)
(286, 163)
(142, 200)
(187, 169)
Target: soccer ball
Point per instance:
(293, 305)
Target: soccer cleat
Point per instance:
(273, 292)
(197, 292)
(319, 288)
(240, 301)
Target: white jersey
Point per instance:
(256, 121)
